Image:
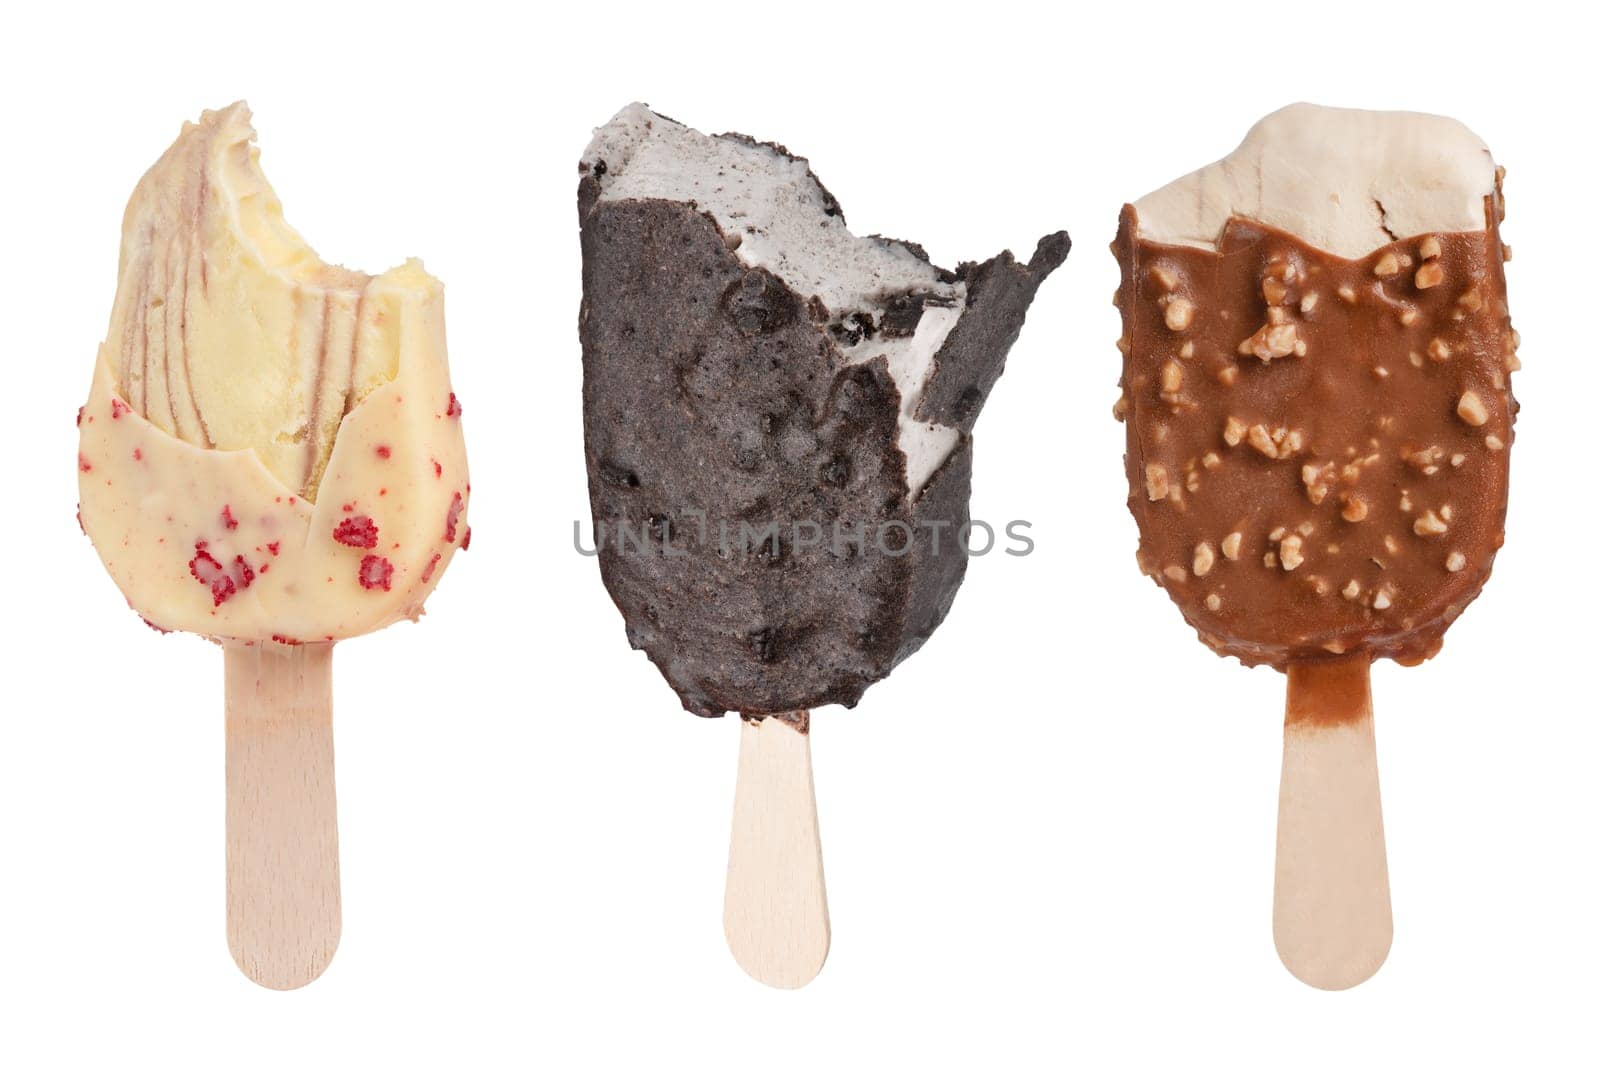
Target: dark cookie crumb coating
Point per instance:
(713, 388)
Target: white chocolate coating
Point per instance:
(784, 222)
(271, 449)
(1346, 181)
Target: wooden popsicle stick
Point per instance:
(1331, 919)
(283, 834)
(775, 910)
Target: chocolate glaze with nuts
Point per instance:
(1318, 448)
(714, 387)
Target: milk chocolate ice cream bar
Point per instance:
(271, 456)
(751, 365)
(1317, 354)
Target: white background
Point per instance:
(1049, 836)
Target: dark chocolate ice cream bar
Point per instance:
(777, 416)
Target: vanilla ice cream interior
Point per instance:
(230, 332)
(775, 215)
(1346, 181)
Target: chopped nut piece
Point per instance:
(1471, 300)
(1119, 410)
(1471, 409)
(1383, 600)
(1354, 510)
(1438, 351)
(1289, 552)
(1317, 481)
(1175, 572)
(1262, 442)
(1458, 459)
(1429, 525)
(1391, 545)
(1187, 351)
(1273, 341)
(1180, 314)
(1277, 534)
(1426, 459)
(1228, 375)
(1408, 316)
(1454, 562)
(1171, 377)
(1387, 266)
(1429, 275)
(1164, 277)
(1274, 291)
(1204, 557)
(1155, 481)
(1270, 559)
(1233, 430)
(1230, 545)
(1210, 461)
(1347, 294)
(1429, 248)
(1308, 302)
(1214, 602)
(1351, 590)
(1494, 443)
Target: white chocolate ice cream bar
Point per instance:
(271, 449)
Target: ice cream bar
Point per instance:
(271, 450)
(1316, 387)
(748, 361)
(777, 420)
(271, 456)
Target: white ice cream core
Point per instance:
(785, 222)
(1346, 181)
